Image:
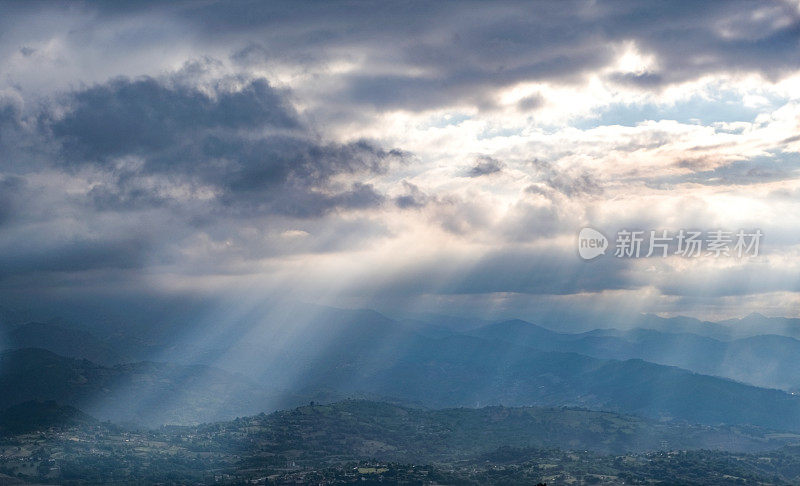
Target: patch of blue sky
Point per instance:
(727, 107)
(449, 119)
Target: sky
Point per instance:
(403, 156)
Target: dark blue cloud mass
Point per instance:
(245, 144)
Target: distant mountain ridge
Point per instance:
(464, 371)
(65, 341)
(458, 371)
(765, 360)
(322, 352)
(754, 324)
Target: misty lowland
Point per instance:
(332, 396)
(400, 242)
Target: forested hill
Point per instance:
(367, 442)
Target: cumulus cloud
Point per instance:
(244, 146)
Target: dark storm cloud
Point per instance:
(8, 115)
(461, 50)
(469, 83)
(485, 165)
(719, 37)
(152, 166)
(420, 55)
(9, 124)
(132, 117)
(10, 189)
(246, 144)
(125, 194)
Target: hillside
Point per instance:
(359, 428)
(146, 393)
(34, 415)
(366, 442)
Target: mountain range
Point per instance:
(762, 360)
(329, 354)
